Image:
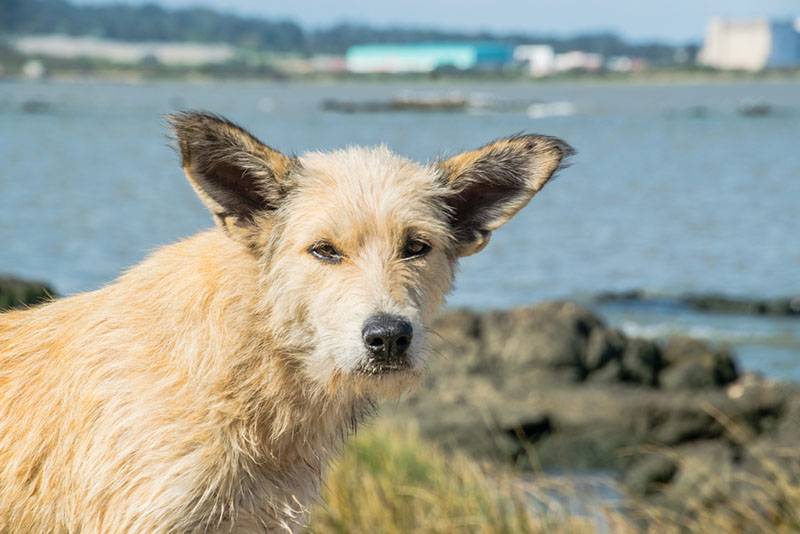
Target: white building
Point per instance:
(751, 45)
(539, 59)
(577, 60)
(62, 46)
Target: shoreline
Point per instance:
(665, 77)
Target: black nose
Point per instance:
(387, 337)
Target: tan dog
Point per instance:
(207, 387)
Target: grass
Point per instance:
(391, 481)
(766, 500)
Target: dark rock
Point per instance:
(585, 447)
(693, 364)
(703, 467)
(673, 423)
(550, 386)
(604, 346)
(621, 296)
(642, 362)
(650, 474)
(688, 375)
(531, 430)
(525, 433)
(712, 303)
(36, 106)
(610, 373)
(18, 293)
(551, 335)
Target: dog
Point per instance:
(207, 387)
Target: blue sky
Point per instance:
(674, 20)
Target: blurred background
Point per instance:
(679, 215)
(685, 117)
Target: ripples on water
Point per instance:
(660, 196)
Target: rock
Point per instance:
(551, 335)
(789, 306)
(585, 447)
(610, 373)
(621, 296)
(709, 302)
(531, 430)
(604, 346)
(550, 386)
(702, 469)
(641, 362)
(688, 375)
(456, 337)
(18, 293)
(693, 364)
(650, 474)
(674, 422)
(525, 433)
(787, 431)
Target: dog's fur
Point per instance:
(205, 389)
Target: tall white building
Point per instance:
(539, 59)
(751, 44)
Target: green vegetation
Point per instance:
(150, 22)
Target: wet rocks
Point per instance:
(551, 386)
(693, 364)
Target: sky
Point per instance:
(671, 20)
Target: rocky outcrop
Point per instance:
(18, 293)
(551, 386)
(710, 302)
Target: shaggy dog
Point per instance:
(206, 388)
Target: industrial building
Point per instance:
(428, 57)
(751, 45)
(539, 60)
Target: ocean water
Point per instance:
(672, 190)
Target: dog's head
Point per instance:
(358, 247)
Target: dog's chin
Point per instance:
(386, 380)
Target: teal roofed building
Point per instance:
(428, 57)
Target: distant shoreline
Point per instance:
(654, 77)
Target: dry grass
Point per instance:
(765, 500)
(390, 481)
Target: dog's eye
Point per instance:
(415, 248)
(326, 252)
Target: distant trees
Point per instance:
(151, 22)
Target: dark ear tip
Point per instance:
(186, 120)
(545, 143)
(566, 150)
(559, 148)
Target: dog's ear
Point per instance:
(489, 185)
(234, 174)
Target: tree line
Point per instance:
(151, 22)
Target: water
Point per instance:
(658, 197)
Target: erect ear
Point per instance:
(234, 174)
(489, 185)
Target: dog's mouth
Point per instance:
(379, 368)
